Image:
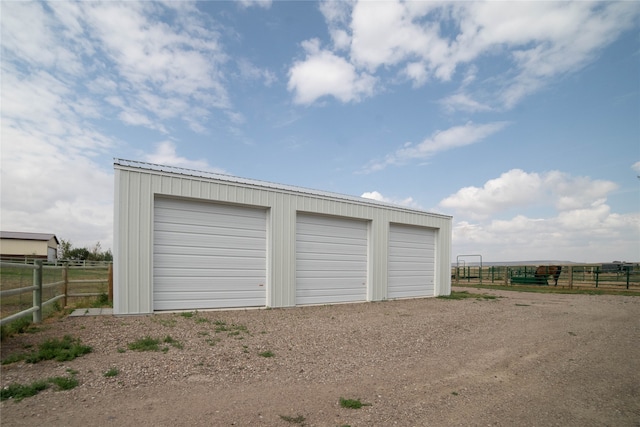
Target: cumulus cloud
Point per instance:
(323, 73)
(517, 188)
(576, 219)
(374, 195)
(425, 41)
(148, 63)
(457, 136)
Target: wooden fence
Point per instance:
(37, 286)
(574, 275)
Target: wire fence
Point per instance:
(612, 276)
(38, 288)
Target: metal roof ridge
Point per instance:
(260, 183)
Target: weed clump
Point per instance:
(352, 403)
(68, 348)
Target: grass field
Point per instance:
(20, 277)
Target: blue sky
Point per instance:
(519, 119)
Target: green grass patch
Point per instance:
(187, 314)
(152, 344)
(112, 372)
(64, 383)
(172, 342)
(101, 301)
(295, 420)
(145, 344)
(267, 353)
(20, 391)
(17, 392)
(68, 348)
(352, 403)
(458, 295)
(18, 326)
(169, 322)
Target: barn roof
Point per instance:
(257, 183)
(17, 235)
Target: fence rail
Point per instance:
(574, 275)
(37, 287)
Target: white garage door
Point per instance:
(331, 260)
(208, 255)
(411, 261)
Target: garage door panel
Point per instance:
(202, 263)
(411, 261)
(206, 232)
(331, 260)
(208, 255)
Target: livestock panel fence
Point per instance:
(606, 276)
(32, 288)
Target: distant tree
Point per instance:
(67, 251)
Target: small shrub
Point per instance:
(62, 350)
(145, 344)
(173, 343)
(101, 301)
(296, 420)
(13, 358)
(20, 391)
(352, 403)
(64, 383)
(18, 326)
(111, 373)
(267, 353)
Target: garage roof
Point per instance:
(17, 235)
(257, 183)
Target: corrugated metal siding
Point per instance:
(411, 261)
(331, 260)
(133, 239)
(208, 255)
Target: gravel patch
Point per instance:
(520, 359)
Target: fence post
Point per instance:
(65, 286)
(37, 293)
(570, 277)
(110, 281)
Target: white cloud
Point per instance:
(636, 167)
(249, 71)
(578, 224)
(266, 4)
(374, 195)
(166, 154)
(322, 73)
(463, 102)
(429, 41)
(517, 188)
(148, 65)
(448, 139)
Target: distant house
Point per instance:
(15, 244)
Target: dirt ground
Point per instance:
(522, 359)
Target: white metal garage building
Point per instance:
(189, 240)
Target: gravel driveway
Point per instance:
(522, 359)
